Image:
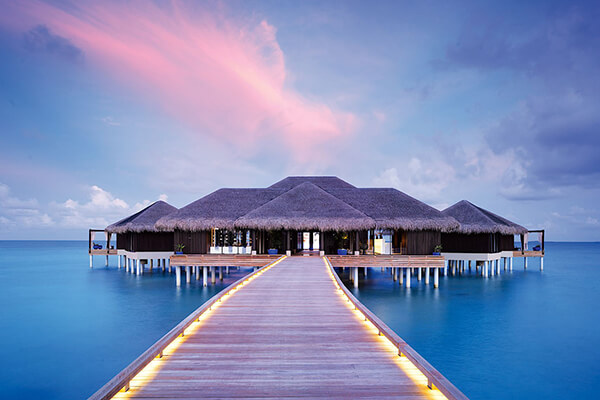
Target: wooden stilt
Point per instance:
(91, 263)
(436, 277)
(408, 277)
(401, 276)
(395, 274)
(427, 275)
(510, 264)
(220, 273)
(188, 274)
(213, 275)
(138, 267)
(355, 277)
(541, 263)
(178, 276)
(419, 274)
(107, 260)
(204, 276)
(118, 262)
(524, 262)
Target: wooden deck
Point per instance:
(528, 253)
(291, 332)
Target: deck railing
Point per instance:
(122, 379)
(434, 378)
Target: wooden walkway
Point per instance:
(288, 333)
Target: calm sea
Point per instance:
(522, 335)
(67, 329)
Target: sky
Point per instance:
(108, 106)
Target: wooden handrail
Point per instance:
(122, 379)
(434, 377)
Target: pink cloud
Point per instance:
(221, 76)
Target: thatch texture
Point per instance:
(219, 209)
(475, 219)
(324, 182)
(309, 207)
(393, 209)
(144, 220)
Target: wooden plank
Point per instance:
(288, 333)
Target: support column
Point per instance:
(427, 275)
(419, 274)
(525, 262)
(220, 273)
(188, 274)
(151, 264)
(107, 258)
(395, 274)
(469, 265)
(213, 275)
(541, 263)
(492, 268)
(178, 276)
(401, 276)
(436, 277)
(485, 269)
(227, 270)
(118, 262)
(138, 265)
(91, 264)
(366, 268)
(408, 277)
(510, 264)
(204, 276)
(197, 273)
(355, 277)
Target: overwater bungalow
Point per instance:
(483, 238)
(139, 241)
(321, 214)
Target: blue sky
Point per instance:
(106, 107)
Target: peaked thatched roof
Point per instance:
(324, 182)
(144, 220)
(219, 209)
(393, 209)
(306, 206)
(475, 219)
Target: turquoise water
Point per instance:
(67, 329)
(522, 335)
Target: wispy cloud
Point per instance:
(41, 39)
(223, 76)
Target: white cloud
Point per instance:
(18, 212)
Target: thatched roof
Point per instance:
(306, 206)
(393, 209)
(475, 219)
(324, 182)
(144, 220)
(219, 209)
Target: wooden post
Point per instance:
(365, 271)
(118, 262)
(138, 267)
(355, 277)
(541, 263)
(227, 270)
(197, 273)
(188, 274)
(213, 275)
(492, 269)
(91, 263)
(204, 276)
(395, 274)
(419, 274)
(220, 273)
(525, 262)
(107, 258)
(178, 275)
(408, 277)
(469, 265)
(151, 264)
(401, 276)
(510, 264)
(436, 277)
(427, 275)
(485, 269)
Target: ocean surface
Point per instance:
(67, 329)
(524, 334)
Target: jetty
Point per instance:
(288, 329)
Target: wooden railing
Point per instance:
(434, 378)
(394, 261)
(221, 260)
(122, 379)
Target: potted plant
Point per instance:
(341, 238)
(275, 241)
(437, 250)
(273, 251)
(179, 248)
